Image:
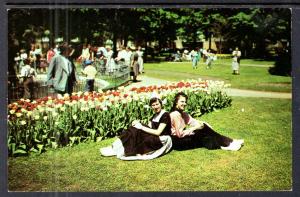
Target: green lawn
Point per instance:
(254, 74)
(264, 163)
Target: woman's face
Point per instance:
(156, 106)
(181, 103)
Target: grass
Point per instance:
(254, 74)
(263, 164)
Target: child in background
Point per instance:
(43, 63)
(90, 72)
(27, 76)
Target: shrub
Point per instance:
(224, 56)
(283, 65)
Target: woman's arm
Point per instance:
(149, 130)
(149, 124)
(194, 124)
(164, 120)
(178, 125)
(157, 131)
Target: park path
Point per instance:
(226, 63)
(147, 81)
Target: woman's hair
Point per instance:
(135, 57)
(63, 47)
(176, 98)
(26, 61)
(154, 99)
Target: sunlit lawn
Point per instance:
(254, 74)
(264, 163)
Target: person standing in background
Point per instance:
(61, 72)
(85, 54)
(17, 65)
(194, 56)
(23, 56)
(236, 56)
(135, 67)
(43, 64)
(90, 72)
(27, 76)
(38, 54)
(204, 54)
(128, 56)
(199, 54)
(209, 59)
(110, 62)
(50, 54)
(56, 49)
(32, 56)
(140, 59)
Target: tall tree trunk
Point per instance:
(209, 40)
(220, 45)
(115, 43)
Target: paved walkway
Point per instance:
(227, 63)
(147, 81)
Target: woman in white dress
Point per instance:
(236, 55)
(110, 62)
(140, 59)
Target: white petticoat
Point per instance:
(165, 140)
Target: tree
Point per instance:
(192, 24)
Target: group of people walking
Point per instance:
(207, 56)
(175, 130)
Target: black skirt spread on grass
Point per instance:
(203, 138)
(136, 141)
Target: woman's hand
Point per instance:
(138, 126)
(189, 131)
(135, 122)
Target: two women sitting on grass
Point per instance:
(177, 130)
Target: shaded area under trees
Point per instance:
(252, 30)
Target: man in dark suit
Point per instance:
(61, 71)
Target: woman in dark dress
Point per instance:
(144, 141)
(188, 133)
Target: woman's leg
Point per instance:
(184, 143)
(210, 139)
(26, 85)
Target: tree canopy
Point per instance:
(250, 29)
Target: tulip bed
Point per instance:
(34, 126)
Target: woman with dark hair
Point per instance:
(142, 142)
(188, 133)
